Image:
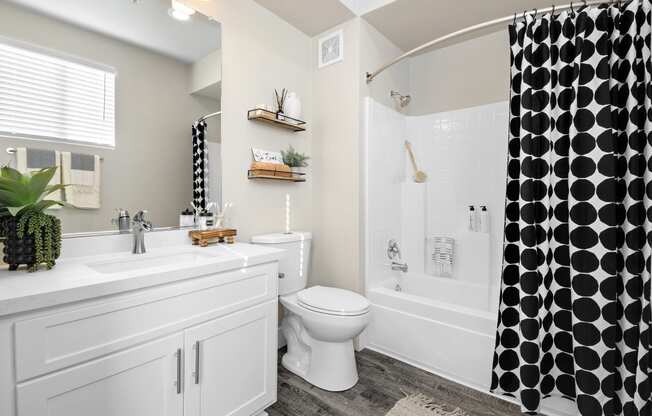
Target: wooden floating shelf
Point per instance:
(273, 119)
(276, 175)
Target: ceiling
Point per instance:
(411, 23)
(310, 16)
(144, 23)
(407, 23)
(360, 7)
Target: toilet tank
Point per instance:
(294, 267)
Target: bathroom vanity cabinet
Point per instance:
(203, 344)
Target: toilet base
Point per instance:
(328, 365)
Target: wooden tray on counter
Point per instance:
(202, 238)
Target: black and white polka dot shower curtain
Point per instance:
(574, 316)
(199, 165)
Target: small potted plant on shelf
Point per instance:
(30, 236)
(295, 160)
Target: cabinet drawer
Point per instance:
(73, 335)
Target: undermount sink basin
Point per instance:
(144, 261)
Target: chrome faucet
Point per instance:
(138, 228)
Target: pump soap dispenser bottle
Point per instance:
(472, 219)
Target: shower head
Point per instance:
(402, 100)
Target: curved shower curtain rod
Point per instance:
(218, 113)
(371, 75)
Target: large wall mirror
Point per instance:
(122, 95)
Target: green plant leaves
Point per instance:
(14, 211)
(39, 181)
(292, 158)
(21, 193)
(11, 173)
(45, 204)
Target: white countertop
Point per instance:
(72, 279)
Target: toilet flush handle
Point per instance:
(281, 275)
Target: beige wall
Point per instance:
(260, 52)
(204, 74)
(377, 50)
(336, 259)
(339, 178)
(150, 167)
(466, 74)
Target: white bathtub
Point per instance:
(419, 325)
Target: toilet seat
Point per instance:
(333, 301)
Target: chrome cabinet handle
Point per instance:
(178, 383)
(197, 362)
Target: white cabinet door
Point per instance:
(236, 359)
(140, 381)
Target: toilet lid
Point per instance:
(333, 300)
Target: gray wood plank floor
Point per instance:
(383, 381)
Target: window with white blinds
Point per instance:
(45, 96)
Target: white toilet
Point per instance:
(319, 323)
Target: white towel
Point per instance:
(39, 159)
(81, 175)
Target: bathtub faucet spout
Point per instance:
(402, 267)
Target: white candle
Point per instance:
(287, 213)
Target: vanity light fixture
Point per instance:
(180, 11)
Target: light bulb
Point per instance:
(182, 8)
(178, 15)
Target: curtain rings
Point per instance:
(514, 19)
(552, 14)
(572, 9)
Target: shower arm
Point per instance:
(371, 75)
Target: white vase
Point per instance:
(292, 106)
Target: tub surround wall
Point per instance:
(385, 175)
(463, 153)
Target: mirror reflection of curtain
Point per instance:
(199, 165)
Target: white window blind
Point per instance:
(44, 96)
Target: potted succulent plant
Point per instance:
(295, 160)
(30, 236)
